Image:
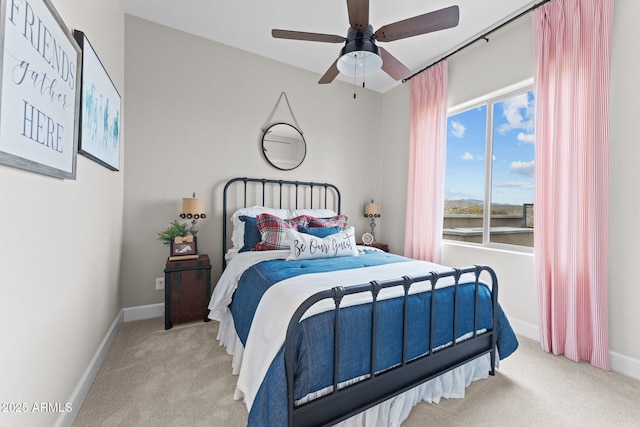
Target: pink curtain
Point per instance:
(427, 143)
(572, 40)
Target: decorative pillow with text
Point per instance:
(307, 246)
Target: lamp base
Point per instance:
(372, 225)
(194, 228)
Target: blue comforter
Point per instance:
(314, 337)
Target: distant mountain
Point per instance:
(464, 202)
(464, 207)
(476, 207)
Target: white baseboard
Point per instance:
(82, 389)
(624, 365)
(618, 362)
(525, 329)
(143, 312)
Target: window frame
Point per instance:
(490, 99)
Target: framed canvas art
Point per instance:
(40, 91)
(100, 113)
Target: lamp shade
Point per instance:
(372, 210)
(192, 208)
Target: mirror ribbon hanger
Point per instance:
(275, 107)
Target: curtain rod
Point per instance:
(482, 37)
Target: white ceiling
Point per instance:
(247, 25)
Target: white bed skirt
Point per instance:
(392, 412)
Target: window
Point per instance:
(489, 168)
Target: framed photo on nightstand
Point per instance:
(181, 246)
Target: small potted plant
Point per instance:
(176, 229)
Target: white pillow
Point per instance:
(317, 213)
(307, 246)
(237, 235)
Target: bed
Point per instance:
(347, 334)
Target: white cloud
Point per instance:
(466, 156)
(522, 168)
(457, 129)
(527, 138)
(518, 112)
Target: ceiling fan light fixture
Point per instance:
(361, 63)
(360, 55)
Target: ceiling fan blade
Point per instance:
(392, 66)
(421, 24)
(331, 74)
(312, 37)
(358, 14)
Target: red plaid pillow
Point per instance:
(273, 231)
(338, 220)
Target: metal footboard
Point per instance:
(341, 403)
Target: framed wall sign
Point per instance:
(100, 112)
(40, 90)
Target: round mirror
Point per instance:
(283, 146)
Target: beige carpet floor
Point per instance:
(182, 377)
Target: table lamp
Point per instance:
(193, 209)
(372, 211)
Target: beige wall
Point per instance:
(624, 235)
(507, 59)
(60, 256)
(194, 113)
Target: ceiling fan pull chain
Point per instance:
(364, 71)
(354, 78)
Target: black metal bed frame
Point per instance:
(341, 403)
(282, 185)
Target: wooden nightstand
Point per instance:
(187, 290)
(378, 245)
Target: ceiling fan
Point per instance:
(360, 54)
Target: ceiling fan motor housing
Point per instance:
(359, 50)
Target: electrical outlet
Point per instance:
(159, 283)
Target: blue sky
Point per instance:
(513, 152)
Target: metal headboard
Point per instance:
(295, 194)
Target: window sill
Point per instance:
(494, 247)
